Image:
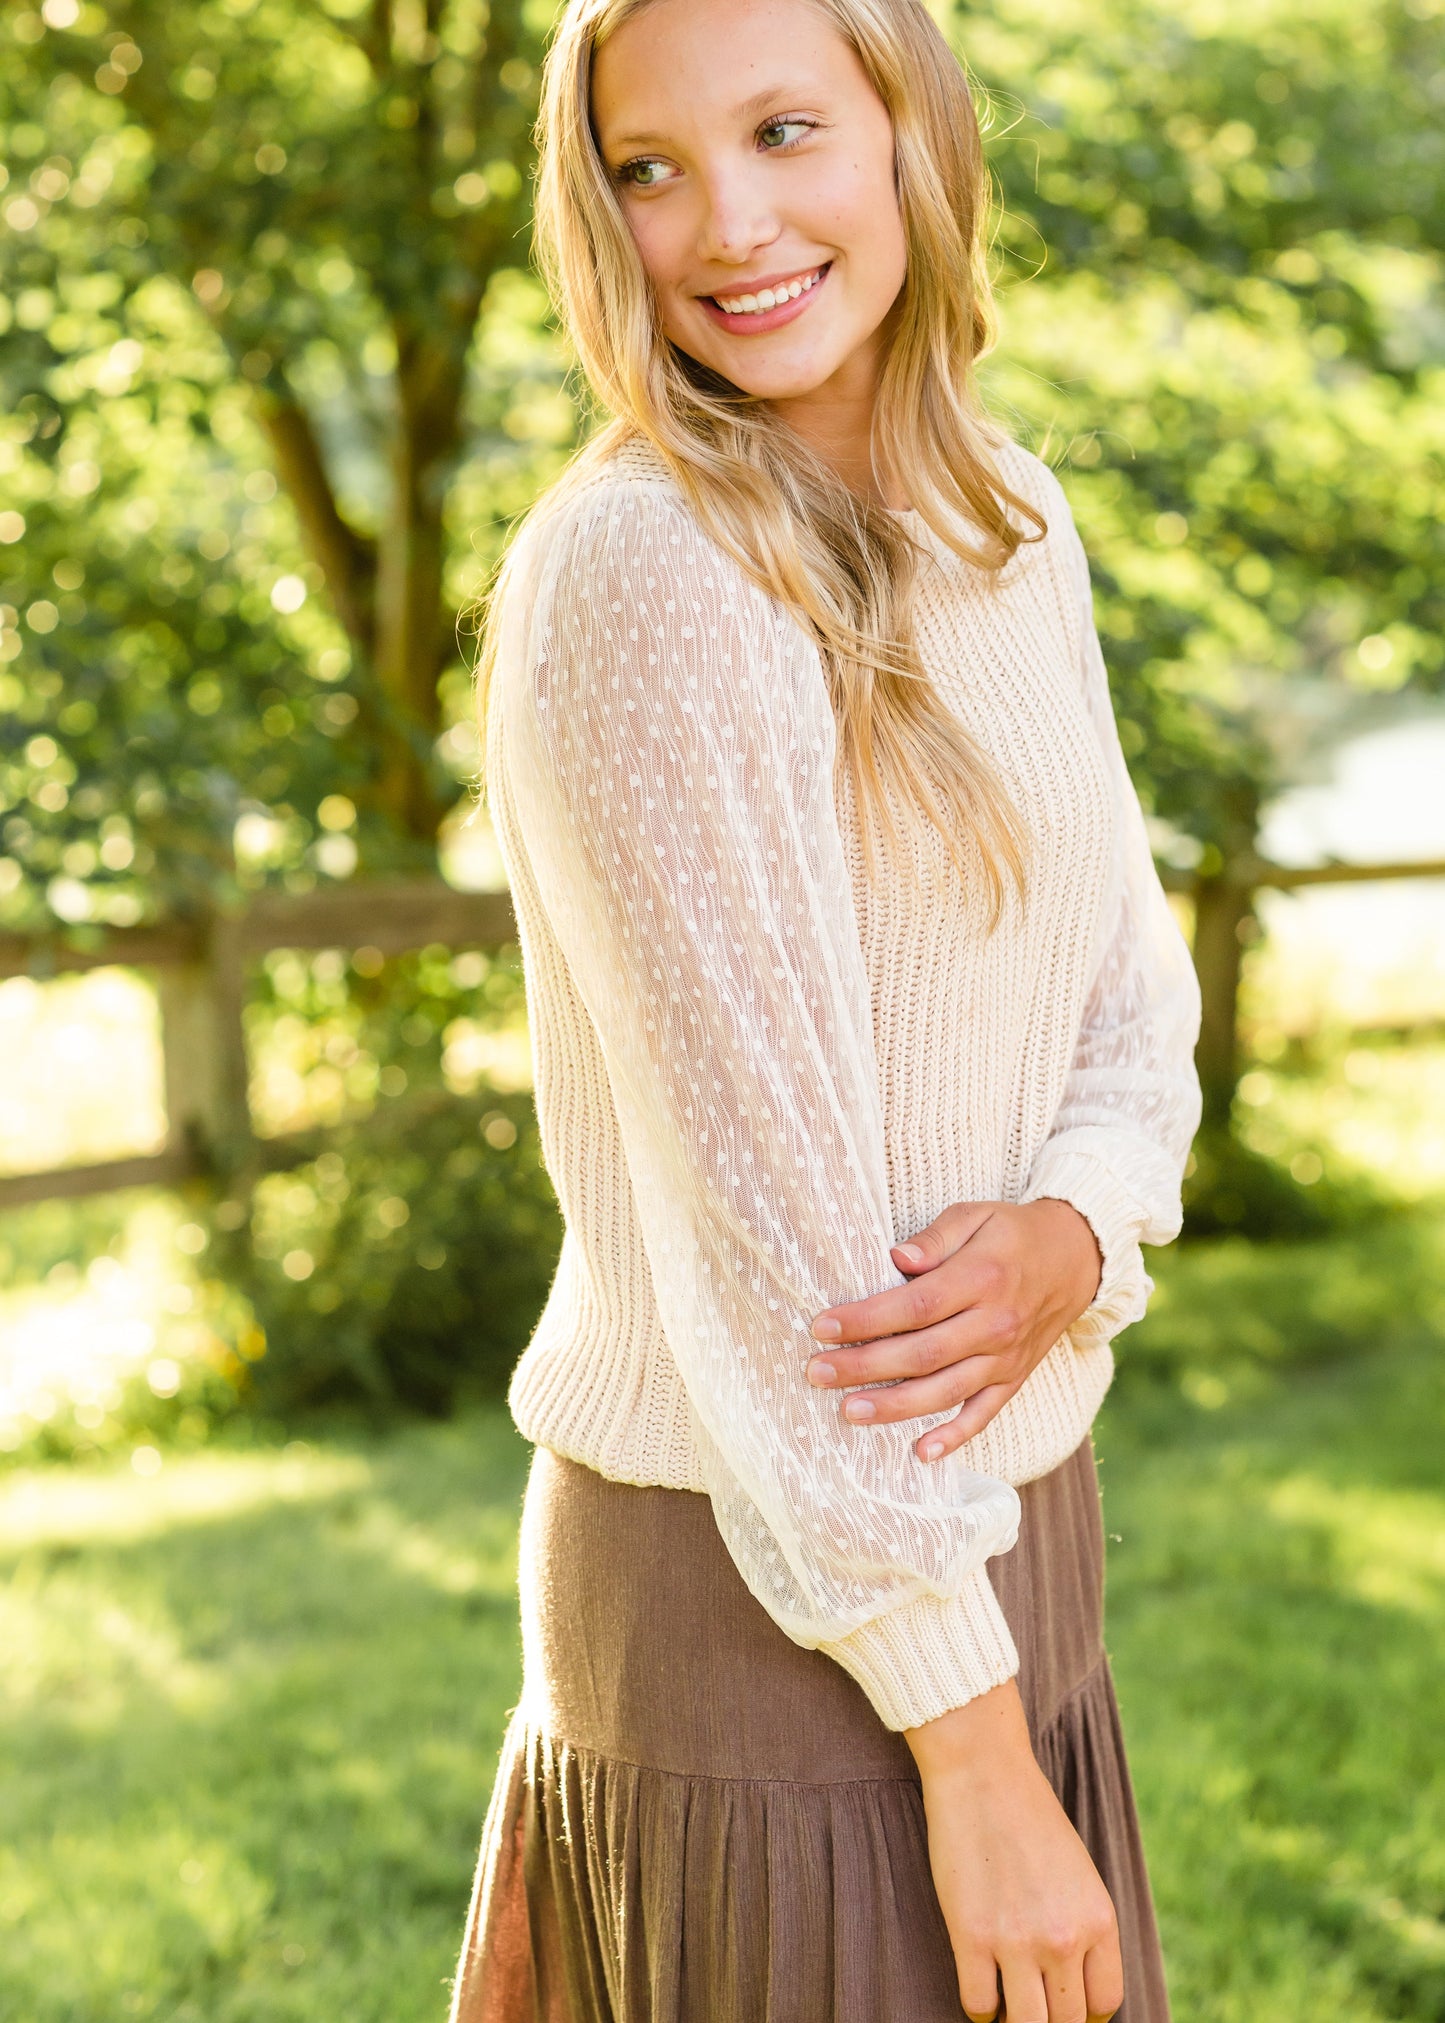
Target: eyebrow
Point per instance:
(749, 109)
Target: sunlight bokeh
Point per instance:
(82, 1070)
(72, 1342)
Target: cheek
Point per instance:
(658, 244)
(857, 211)
(873, 236)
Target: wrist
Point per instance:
(1071, 1234)
(985, 1738)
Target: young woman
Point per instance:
(840, 926)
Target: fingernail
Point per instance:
(860, 1408)
(827, 1331)
(822, 1373)
(932, 1449)
(910, 1251)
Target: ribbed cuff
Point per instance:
(918, 1661)
(1112, 1212)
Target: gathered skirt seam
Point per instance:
(605, 1756)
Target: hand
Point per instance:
(996, 1286)
(1022, 1900)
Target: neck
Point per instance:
(835, 420)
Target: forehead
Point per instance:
(679, 64)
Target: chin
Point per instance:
(761, 378)
(779, 386)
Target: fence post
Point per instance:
(203, 1040)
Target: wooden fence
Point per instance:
(202, 971)
(1224, 907)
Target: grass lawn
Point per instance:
(249, 1706)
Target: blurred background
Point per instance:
(276, 380)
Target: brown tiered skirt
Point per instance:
(696, 1821)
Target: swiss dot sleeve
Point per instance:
(1131, 1105)
(669, 748)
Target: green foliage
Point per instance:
(199, 1359)
(1230, 1317)
(1230, 1188)
(400, 1264)
(329, 1033)
(406, 1264)
(405, 1261)
(1222, 247)
(145, 1342)
(50, 1236)
(154, 692)
(251, 244)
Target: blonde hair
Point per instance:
(845, 566)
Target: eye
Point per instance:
(642, 173)
(778, 135)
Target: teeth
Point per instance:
(767, 298)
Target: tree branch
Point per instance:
(347, 559)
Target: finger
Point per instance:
(941, 1441)
(957, 1223)
(1104, 1979)
(978, 1988)
(1024, 1997)
(1064, 1985)
(889, 1403)
(903, 1309)
(978, 1331)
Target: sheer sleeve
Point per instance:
(1131, 1104)
(668, 746)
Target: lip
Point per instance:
(760, 322)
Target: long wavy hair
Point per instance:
(845, 566)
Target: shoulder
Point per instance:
(614, 588)
(615, 494)
(1057, 555)
(1033, 481)
(615, 550)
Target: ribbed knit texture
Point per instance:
(757, 1064)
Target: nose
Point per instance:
(737, 219)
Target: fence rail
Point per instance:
(202, 970)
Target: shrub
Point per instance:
(1234, 1191)
(403, 1266)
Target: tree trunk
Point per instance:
(410, 612)
(346, 558)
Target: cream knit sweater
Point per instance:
(755, 1068)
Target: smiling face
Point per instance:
(754, 163)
